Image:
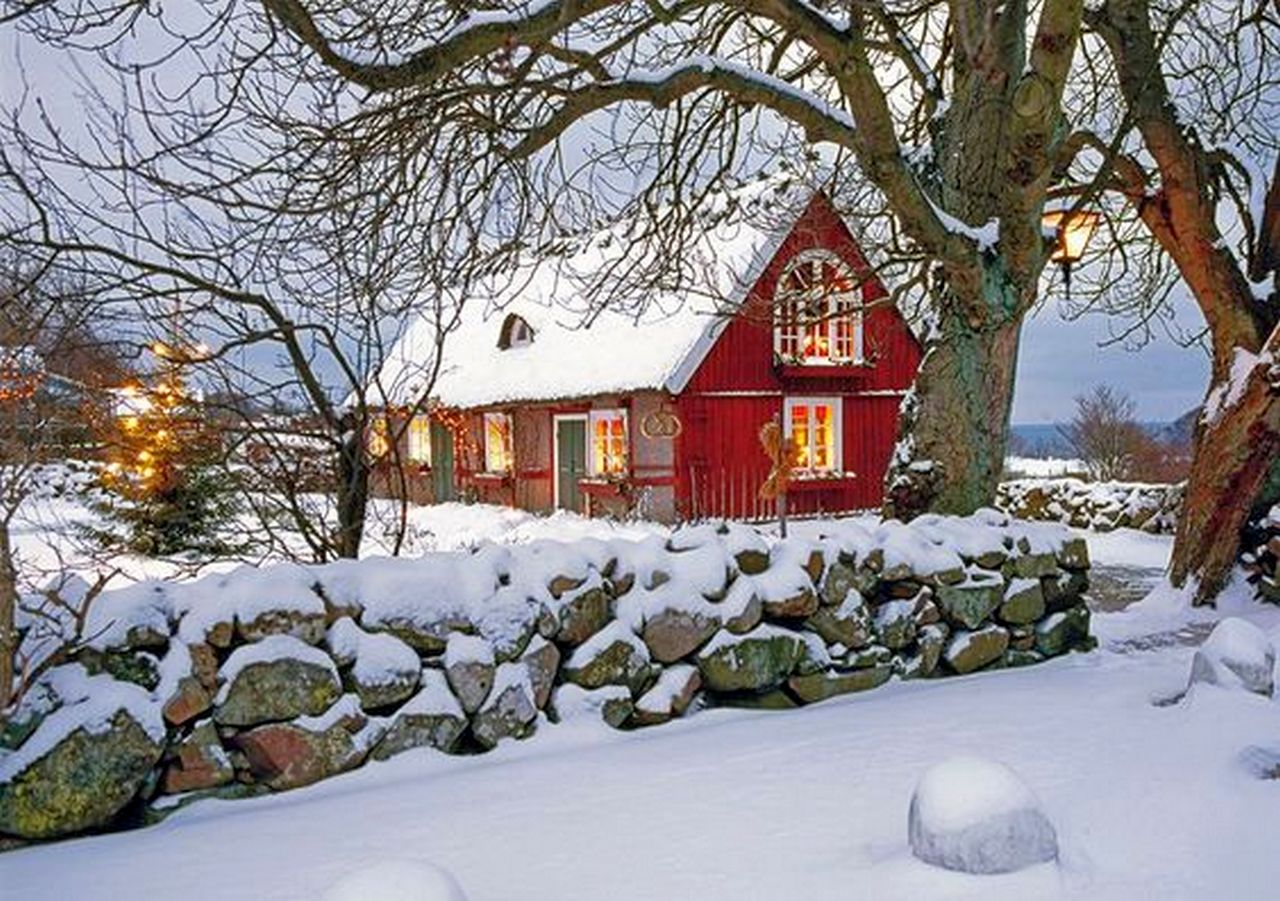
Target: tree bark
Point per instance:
(1232, 474)
(353, 494)
(954, 427)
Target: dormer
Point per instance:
(817, 312)
(515, 332)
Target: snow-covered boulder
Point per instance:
(847, 623)
(84, 762)
(674, 618)
(542, 661)
(968, 604)
(828, 683)
(510, 711)
(399, 880)
(760, 660)
(1237, 654)
(469, 666)
(310, 748)
(581, 612)
(432, 718)
(278, 678)
(613, 656)
(978, 816)
(611, 704)
(199, 762)
(670, 696)
(1059, 632)
(969, 651)
(380, 668)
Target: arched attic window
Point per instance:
(515, 332)
(817, 311)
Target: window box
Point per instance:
(615, 487)
(492, 479)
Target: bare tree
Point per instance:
(1198, 81)
(939, 126)
(1105, 434)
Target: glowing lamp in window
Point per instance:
(497, 442)
(608, 442)
(418, 439)
(813, 426)
(818, 311)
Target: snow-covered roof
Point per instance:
(581, 350)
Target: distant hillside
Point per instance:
(1043, 440)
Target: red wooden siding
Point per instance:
(737, 388)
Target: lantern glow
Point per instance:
(1072, 230)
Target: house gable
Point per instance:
(738, 355)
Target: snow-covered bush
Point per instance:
(978, 816)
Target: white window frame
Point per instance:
(837, 406)
(510, 447)
(594, 467)
(834, 305)
(418, 439)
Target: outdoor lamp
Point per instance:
(1072, 230)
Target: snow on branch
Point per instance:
(820, 120)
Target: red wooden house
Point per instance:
(657, 412)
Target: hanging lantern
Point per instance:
(1072, 230)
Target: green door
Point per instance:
(571, 462)
(442, 464)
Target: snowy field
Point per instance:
(1149, 800)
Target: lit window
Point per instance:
(419, 439)
(379, 441)
(813, 425)
(608, 442)
(818, 311)
(497, 442)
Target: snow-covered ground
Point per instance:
(1149, 800)
(1043, 467)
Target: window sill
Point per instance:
(602, 486)
(819, 481)
(823, 370)
(492, 478)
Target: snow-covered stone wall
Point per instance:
(1101, 506)
(1261, 555)
(265, 680)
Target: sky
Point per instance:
(1058, 359)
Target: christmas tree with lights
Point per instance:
(165, 490)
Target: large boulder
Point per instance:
(1237, 654)
(970, 603)
(829, 683)
(581, 612)
(970, 651)
(896, 624)
(673, 633)
(847, 623)
(278, 678)
(1058, 633)
(509, 712)
(82, 764)
(199, 762)
(977, 816)
(611, 704)
(760, 660)
(470, 667)
(613, 656)
(382, 669)
(542, 661)
(1023, 602)
(289, 755)
(670, 696)
(432, 718)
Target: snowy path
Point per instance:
(1149, 802)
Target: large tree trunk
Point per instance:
(954, 426)
(353, 494)
(1237, 447)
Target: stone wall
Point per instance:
(1261, 556)
(266, 680)
(1101, 506)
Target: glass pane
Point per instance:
(800, 434)
(824, 440)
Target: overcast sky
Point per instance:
(1058, 359)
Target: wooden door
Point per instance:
(571, 462)
(442, 486)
